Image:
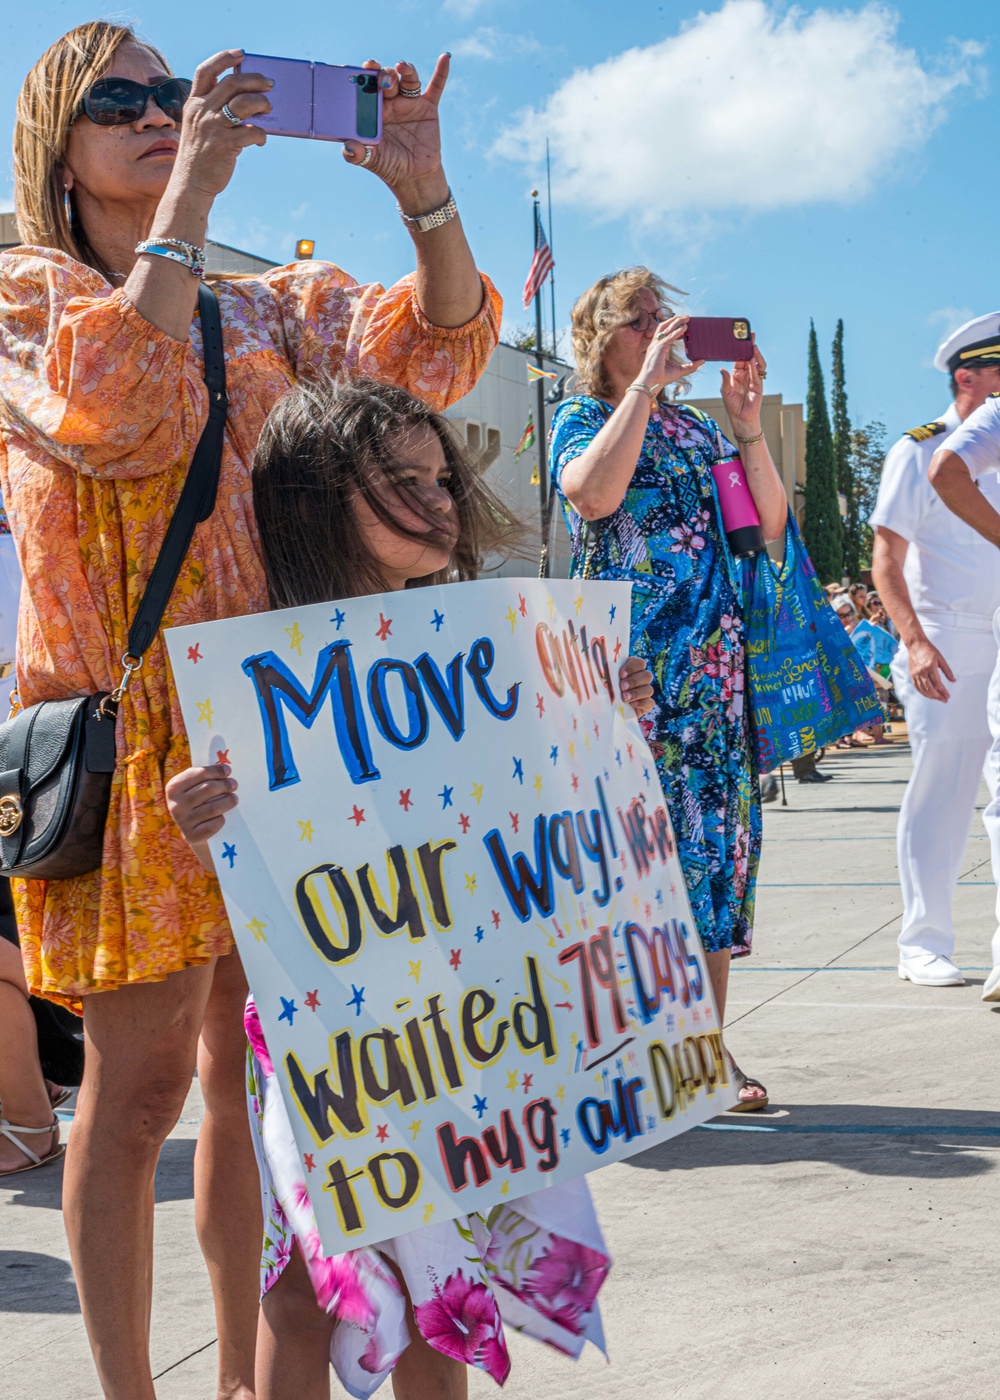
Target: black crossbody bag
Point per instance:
(57, 758)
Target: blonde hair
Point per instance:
(46, 109)
(601, 310)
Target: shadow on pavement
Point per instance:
(174, 1179)
(36, 1283)
(871, 1139)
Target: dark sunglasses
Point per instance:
(646, 321)
(121, 101)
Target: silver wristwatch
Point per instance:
(423, 223)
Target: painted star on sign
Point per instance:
(428, 1212)
(437, 620)
(222, 755)
(471, 881)
(204, 711)
(564, 1134)
(382, 1132)
(575, 781)
(479, 1105)
(445, 796)
(228, 853)
(194, 653)
(554, 753)
(306, 832)
(414, 971)
(288, 1010)
(312, 999)
(527, 1082)
(405, 800)
(257, 929)
(504, 1187)
(522, 606)
(463, 822)
(515, 820)
(479, 933)
(540, 703)
(618, 649)
(518, 770)
(612, 611)
(537, 784)
(578, 604)
(415, 1127)
(511, 617)
(338, 618)
(357, 815)
(477, 792)
(310, 1162)
(456, 958)
(495, 916)
(384, 628)
(357, 999)
(295, 638)
(512, 1078)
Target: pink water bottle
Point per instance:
(739, 514)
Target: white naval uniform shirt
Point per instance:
(952, 573)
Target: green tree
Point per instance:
(842, 458)
(821, 526)
(867, 456)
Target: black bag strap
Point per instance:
(197, 499)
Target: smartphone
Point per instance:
(321, 101)
(718, 338)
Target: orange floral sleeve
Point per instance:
(333, 324)
(88, 379)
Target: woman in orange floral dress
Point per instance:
(102, 401)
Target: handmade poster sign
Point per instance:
(452, 879)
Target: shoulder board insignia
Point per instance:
(927, 430)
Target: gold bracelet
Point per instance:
(654, 401)
(745, 442)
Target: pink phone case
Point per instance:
(321, 101)
(718, 338)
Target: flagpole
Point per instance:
(540, 438)
(552, 274)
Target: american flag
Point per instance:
(541, 264)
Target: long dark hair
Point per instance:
(325, 445)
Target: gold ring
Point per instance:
(762, 373)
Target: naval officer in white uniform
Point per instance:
(960, 471)
(940, 583)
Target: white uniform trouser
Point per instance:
(991, 817)
(949, 742)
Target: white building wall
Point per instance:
(492, 419)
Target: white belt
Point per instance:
(965, 622)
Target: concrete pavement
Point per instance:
(841, 1244)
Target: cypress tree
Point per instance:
(842, 458)
(821, 525)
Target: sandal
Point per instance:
(10, 1130)
(743, 1081)
(57, 1094)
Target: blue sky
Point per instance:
(776, 162)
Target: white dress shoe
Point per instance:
(991, 987)
(930, 970)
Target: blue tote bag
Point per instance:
(807, 683)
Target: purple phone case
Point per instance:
(713, 338)
(314, 100)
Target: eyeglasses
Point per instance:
(646, 321)
(121, 101)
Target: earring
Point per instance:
(67, 204)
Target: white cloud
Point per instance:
(465, 9)
(494, 44)
(749, 106)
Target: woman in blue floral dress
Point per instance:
(634, 475)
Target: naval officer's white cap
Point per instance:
(975, 343)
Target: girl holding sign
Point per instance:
(362, 489)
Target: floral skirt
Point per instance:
(535, 1265)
